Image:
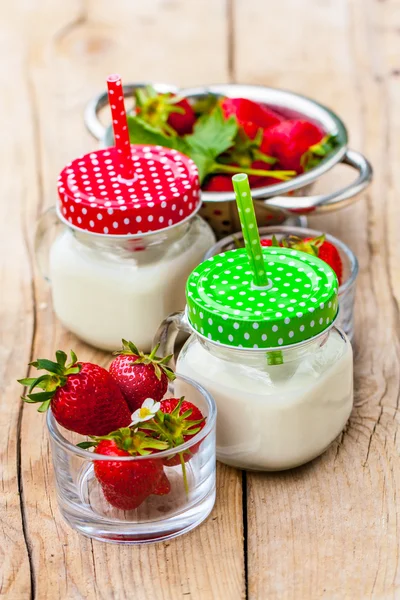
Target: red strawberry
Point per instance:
(165, 111)
(140, 376)
(251, 116)
(164, 486)
(126, 484)
(267, 243)
(317, 246)
(83, 397)
(329, 254)
(261, 181)
(182, 421)
(291, 140)
(218, 183)
(183, 121)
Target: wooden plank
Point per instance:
(72, 52)
(18, 190)
(330, 529)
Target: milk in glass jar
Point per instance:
(268, 351)
(125, 248)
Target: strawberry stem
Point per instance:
(184, 473)
(160, 363)
(57, 377)
(283, 175)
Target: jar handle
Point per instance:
(46, 221)
(168, 332)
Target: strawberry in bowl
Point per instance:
(140, 376)
(127, 484)
(127, 476)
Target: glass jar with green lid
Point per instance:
(264, 344)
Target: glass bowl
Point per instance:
(350, 266)
(159, 517)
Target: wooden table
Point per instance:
(328, 530)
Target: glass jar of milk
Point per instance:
(280, 371)
(119, 262)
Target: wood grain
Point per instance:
(70, 55)
(17, 166)
(330, 529)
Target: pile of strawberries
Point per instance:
(292, 144)
(123, 412)
(229, 135)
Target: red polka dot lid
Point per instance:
(163, 191)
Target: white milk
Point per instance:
(104, 296)
(275, 417)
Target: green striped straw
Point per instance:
(249, 225)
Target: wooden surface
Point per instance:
(328, 530)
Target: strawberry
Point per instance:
(168, 112)
(126, 484)
(164, 486)
(182, 421)
(317, 246)
(297, 144)
(140, 376)
(83, 397)
(218, 183)
(329, 254)
(268, 243)
(257, 182)
(251, 116)
(173, 421)
(184, 121)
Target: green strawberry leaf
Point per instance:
(157, 371)
(212, 135)
(313, 156)
(27, 381)
(86, 445)
(41, 396)
(187, 413)
(61, 358)
(47, 365)
(28, 400)
(43, 407)
(246, 150)
(141, 132)
(205, 104)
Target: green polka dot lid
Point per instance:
(260, 297)
(299, 301)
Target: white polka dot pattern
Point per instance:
(120, 125)
(224, 304)
(164, 191)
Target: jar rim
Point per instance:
(63, 443)
(133, 236)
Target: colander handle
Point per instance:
(327, 202)
(96, 104)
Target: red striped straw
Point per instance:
(120, 125)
